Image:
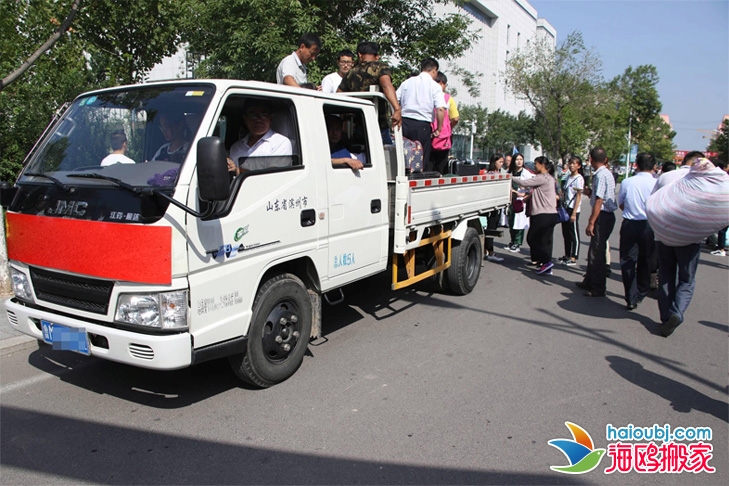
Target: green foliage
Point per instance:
(126, 39)
(721, 142)
(246, 39)
(109, 43)
(560, 84)
(497, 131)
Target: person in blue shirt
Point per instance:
(340, 154)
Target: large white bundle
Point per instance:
(692, 208)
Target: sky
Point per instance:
(686, 40)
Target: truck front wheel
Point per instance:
(279, 333)
(465, 268)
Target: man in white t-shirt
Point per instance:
(261, 142)
(292, 68)
(119, 147)
(345, 61)
(419, 97)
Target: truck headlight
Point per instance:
(166, 310)
(21, 285)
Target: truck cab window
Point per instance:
(347, 135)
(260, 134)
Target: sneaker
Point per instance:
(571, 263)
(509, 246)
(719, 252)
(514, 248)
(494, 258)
(545, 269)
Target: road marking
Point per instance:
(27, 382)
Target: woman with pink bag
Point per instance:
(441, 145)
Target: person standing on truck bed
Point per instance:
(292, 68)
(331, 82)
(260, 142)
(419, 96)
(370, 71)
(443, 143)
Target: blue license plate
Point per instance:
(65, 338)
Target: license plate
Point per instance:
(65, 338)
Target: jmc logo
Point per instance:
(68, 208)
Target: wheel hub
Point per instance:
(281, 332)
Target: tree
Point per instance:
(110, 43)
(721, 142)
(246, 39)
(638, 109)
(560, 84)
(20, 11)
(124, 40)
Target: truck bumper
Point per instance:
(160, 352)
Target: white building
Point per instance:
(504, 26)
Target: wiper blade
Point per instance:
(57, 182)
(117, 182)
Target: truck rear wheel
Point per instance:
(465, 268)
(279, 333)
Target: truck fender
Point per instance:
(460, 230)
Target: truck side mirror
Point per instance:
(212, 170)
(7, 193)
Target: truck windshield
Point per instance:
(140, 136)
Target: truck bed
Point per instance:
(422, 203)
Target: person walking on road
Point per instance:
(543, 216)
(572, 193)
(518, 221)
(682, 214)
(636, 236)
(492, 219)
(600, 225)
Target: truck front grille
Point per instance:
(81, 293)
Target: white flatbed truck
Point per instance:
(163, 264)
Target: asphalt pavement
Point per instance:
(405, 387)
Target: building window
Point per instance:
(508, 33)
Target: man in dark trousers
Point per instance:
(600, 225)
(419, 97)
(637, 241)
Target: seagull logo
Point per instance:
(580, 451)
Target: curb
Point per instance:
(16, 341)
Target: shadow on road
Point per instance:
(682, 398)
(715, 325)
(61, 449)
(159, 389)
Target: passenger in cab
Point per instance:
(340, 155)
(174, 130)
(256, 149)
(119, 147)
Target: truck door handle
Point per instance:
(308, 217)
(375, 206)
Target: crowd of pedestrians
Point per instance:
(664, 219)
(685, 205)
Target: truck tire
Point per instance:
(279, 333)
(466, 256)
